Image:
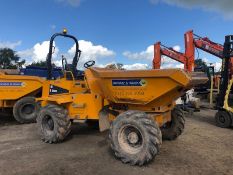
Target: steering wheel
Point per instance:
(89, 64)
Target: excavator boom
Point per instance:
(193, 41)
(160, 50)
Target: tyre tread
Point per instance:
(62, 120)
(177, 127)
(154, 134)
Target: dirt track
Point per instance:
(202, 149)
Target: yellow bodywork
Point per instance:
(151, 91)
(14, 87)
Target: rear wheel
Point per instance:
(53, 123)
(171, 130)
(135, 137)
(25, 110)
(223, 119)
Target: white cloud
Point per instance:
(146, 54)
(91, 51)
(74, 3)
(11, 45)
(136, 66)
(205, 60)
(38, 52)
(177, 48)
(28, 53)
(217, 66)
(221, 6)
(172, 65)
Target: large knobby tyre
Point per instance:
(135, 138)
(223, 119)
(53, 123)
(171, 130)
(25, 110)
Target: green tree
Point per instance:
(200, 64)
(39, 64)
(20, 64)
(9, 59)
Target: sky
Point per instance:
(112, 31)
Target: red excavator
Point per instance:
(193, 41)
(186, 58)
(160, 50)
(188, 104)
(224, 103)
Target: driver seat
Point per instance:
(78, 75)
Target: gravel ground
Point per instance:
(202, 149)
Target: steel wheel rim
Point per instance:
(27, 110)
(130, 139)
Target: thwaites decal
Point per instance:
(129, 82)
(12, 84)
(57, 90)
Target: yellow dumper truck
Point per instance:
(138, 106)
(18, 92)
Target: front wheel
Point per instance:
(53, 123)
(135, 137)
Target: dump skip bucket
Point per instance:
(143, 86)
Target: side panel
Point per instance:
(62, 86)
(85, 106)
(1, 103)
(14, 87)
(7, 103)
(139, 91)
